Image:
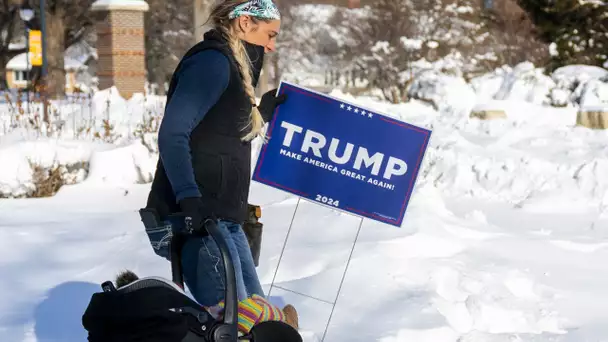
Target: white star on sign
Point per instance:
(370, 115)
(342, 105)
(356, 110)
(349, 108)
(363, 112)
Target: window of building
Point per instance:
(21, 75)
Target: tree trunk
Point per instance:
(7, 27)
(55, 52)
(3, 60)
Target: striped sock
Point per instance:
(254, 310)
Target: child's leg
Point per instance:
(247, 266)
(204, 271)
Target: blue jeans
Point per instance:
(204, 272)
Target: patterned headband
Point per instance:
(264, 9)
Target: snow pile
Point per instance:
(18, 162)
(592, 95)
(137, 165)
(89, 140)
(487, 85)
(527, 83)
(92, 163)
(582, 85)
(523, 82)
(453, 63)
(536, 149)
(444, 92)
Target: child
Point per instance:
(255, 310)
(251, 311)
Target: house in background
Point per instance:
(79, 63)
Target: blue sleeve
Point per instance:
(202, 79)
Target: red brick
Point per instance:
(121, 51)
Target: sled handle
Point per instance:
(230, 295)
(228, 330)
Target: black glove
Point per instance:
(269, 103)
(194, 210)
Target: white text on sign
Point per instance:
(315, 142)
(335, 169)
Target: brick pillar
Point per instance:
(120, 45)
(354, 3)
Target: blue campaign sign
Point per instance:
(342, 155)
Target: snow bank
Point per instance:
(445, 92)
(98, 134)
(137, 165)
(592, 94)
(104, 164)
(514, 178)
(569, 86)
(523, 82)
(581, 85)
(487, 85)
(527, 83)
(535, 151)
(18, 160)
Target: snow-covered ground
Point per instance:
(504, 239)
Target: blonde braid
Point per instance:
(256, 122)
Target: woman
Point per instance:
(205, 142)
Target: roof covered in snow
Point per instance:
(20, 62)
(75, 57)
(16, 46)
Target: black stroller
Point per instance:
(157, 310)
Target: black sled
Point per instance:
(155, 309)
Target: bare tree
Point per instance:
(169, 34)
(9, 19)
(67, 22)
(514, 35)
